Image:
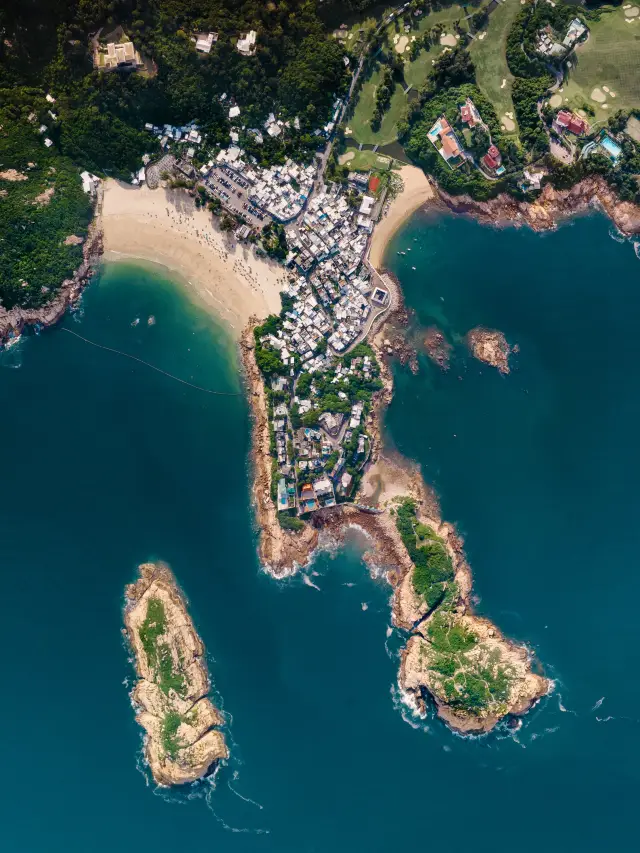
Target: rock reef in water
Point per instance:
(437, 347)
(489, 346)
(182, 743)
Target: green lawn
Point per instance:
(416, 72)
(489, 58)
(360, 123)
(365, 161)
(610, 57)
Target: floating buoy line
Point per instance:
(153, 367)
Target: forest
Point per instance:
(297, 70)
(42, 203)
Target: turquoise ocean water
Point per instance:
(107, 463)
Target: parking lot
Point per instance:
(232, 191)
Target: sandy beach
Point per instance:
(417, 191)
(165, 227)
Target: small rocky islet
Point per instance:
(183, 741)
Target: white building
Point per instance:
(246, 44)
(205, 41)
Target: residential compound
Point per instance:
(325, 374)
(550, 43)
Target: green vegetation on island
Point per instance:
(182, 740)
(468, 683)
(158, 652)
(433, 575)
(463, 670)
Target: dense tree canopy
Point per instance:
(297, 69)
(41, 205)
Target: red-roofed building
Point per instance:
(490, 162)
(374, 183)
(494, 154)
(469, 114)
(578, 125)
(444, 140)
(450, 146)
(571, 122)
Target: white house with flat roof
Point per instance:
(246, 44)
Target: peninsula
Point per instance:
(472, 674)
(183, 741)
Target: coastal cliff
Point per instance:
(182, 743)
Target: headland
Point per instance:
(183, 741)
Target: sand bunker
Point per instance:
(555, 101)
(633, 128)
(508, 123)
(402, 42)
(632, 12)
(344, 158)
(448, 40)
(504, 83)
(12, 175)
(598, 95)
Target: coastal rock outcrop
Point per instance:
(489, 346)
(13, 322)
(182, 741)
(437, 347)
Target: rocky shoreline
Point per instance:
(281, 552)
(182, 740)
(550, 208)
(14, 321)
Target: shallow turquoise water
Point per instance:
(108, 463)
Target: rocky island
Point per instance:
(489, 346)
(182, 741)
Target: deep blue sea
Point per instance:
(107, 463)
